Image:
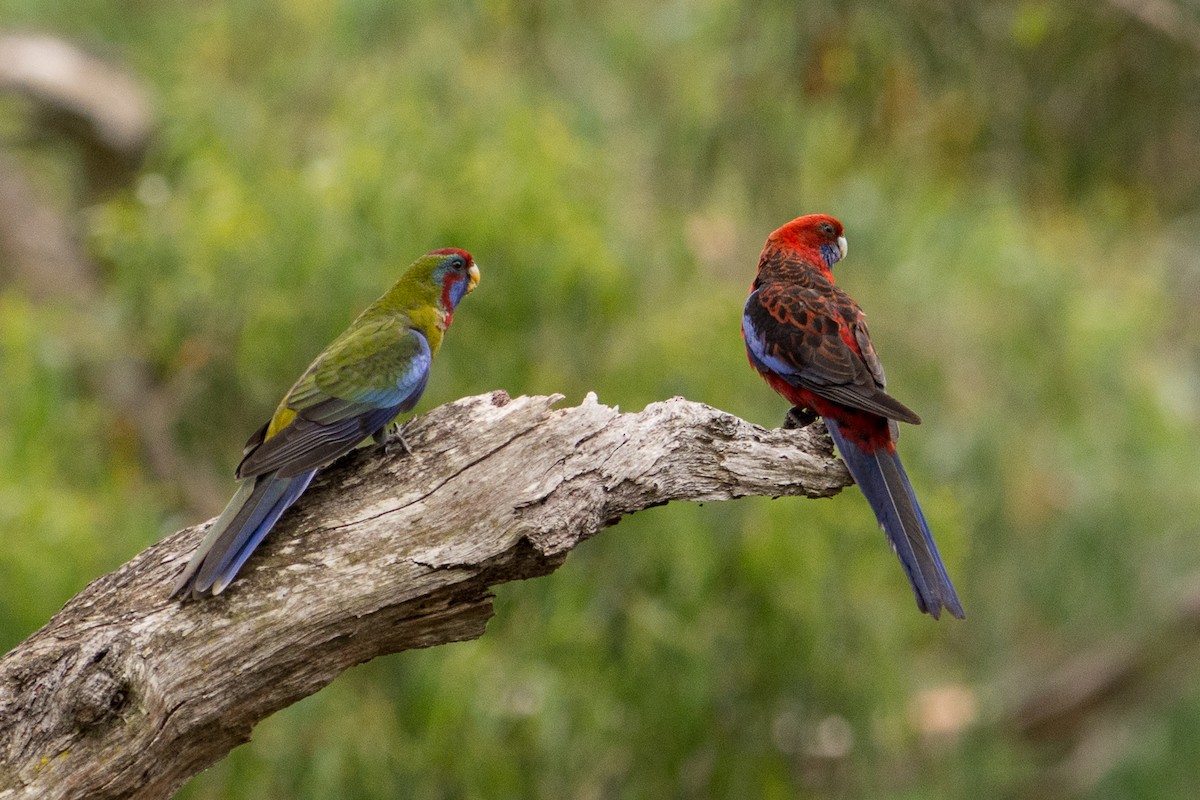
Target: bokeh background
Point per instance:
(1020, 183)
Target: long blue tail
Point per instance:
(885, 484)
(249, 516)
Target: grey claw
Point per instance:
(389, 437)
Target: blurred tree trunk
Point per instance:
(1165, 17)
(127, 694)
(1084, 714)
(104, 115)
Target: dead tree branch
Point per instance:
(124, 694)
(1164, 17)
(99, 106)
(104, 112)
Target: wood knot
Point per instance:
(724, 425)
(100, 697)
(500, 398)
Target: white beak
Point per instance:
(842, 245)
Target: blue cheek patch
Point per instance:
(456, 292)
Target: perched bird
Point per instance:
(809, 341)
(376, 370)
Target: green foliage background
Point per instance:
(1019, 186)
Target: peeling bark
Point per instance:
(126, 694)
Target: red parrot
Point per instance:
(809, 340)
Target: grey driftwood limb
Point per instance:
(105, 114)
(126, 694)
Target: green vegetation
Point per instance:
(1019, 187)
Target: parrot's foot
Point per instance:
(390, 438)
(798, 417)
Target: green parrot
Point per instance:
(376, 370)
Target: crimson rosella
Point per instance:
(374, 371)
(809, 341)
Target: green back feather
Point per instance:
(380, 338)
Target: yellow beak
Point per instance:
(472, 278)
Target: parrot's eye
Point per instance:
(457, 263)
(826, 229)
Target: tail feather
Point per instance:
(249, 516)
(884, 483)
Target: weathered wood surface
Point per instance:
(125, 694)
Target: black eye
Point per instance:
(458, 263)
(826, 229)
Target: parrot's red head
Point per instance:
(813, 234)
(457, 274)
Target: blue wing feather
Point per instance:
(329, 425)
(883, 481)
(252, 532)
(250, 514)
(277, 470)
(756, 347)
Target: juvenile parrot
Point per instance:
(809, 340)
(376, 370)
